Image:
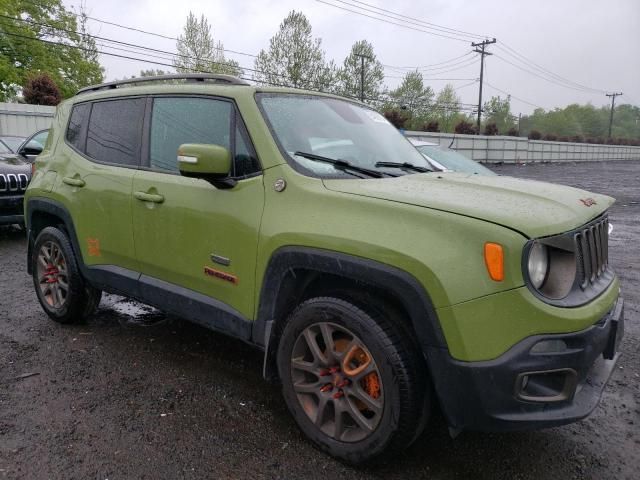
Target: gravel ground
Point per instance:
(137, 394)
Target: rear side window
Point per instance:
(77, 125)
(186, 120)
(115, 130)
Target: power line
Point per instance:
(411, 21)
(550, 80)
(429, 66)
(433, 25)
(518, 56)
(513, 96)
(155, 50)
(146, 32)
(392, 23)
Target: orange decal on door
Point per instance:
(93, 247)
(227, 277)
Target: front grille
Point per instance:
(592, 251)
(12, 183)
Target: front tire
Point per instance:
(61, 289)
(352, 379)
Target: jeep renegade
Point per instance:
(308, 226)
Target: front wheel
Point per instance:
(61, 290)
(352, 380)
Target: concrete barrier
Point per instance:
(502, 149)
(22, 120)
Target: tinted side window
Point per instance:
(245, 162)
(77, 125)
(176, 121)
(115, 130)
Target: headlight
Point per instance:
(538, 264)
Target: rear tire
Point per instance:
(326, 387)
(61, 289)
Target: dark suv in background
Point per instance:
(15, 175)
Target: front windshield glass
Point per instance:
(453, 160)
(336, 129)
(13, 142)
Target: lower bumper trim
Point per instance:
(489, 396)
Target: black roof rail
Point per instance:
(189, 77)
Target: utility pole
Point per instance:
(480, 48)
(519, 120)
(613, 101)
(362, 58)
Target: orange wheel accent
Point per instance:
(371, 385)
(358, 357)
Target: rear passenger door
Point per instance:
(104, 140)
(198, 238)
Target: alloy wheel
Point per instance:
(337, 382)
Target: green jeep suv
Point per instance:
(307, 225)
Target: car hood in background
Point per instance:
(533, 208)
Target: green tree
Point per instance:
(498, 111)
(199, 53)
(45, 37)
(349, 76)
(295, 58)
(448, 108)
(153, 72)
(413, 96)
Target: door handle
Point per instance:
(149, 197)
(74, 182)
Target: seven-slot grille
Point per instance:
(592, 251)
(13, 182)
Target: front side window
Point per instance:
(176, 121)
(114, 131)
(336, 129)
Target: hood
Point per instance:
(535, 209)
(11, 163)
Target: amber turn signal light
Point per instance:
(494, 260)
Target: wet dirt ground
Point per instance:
(137, 394)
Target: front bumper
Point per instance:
(11, 209)
(559, 382)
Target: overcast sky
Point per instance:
(594, 43)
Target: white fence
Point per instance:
(22, 120)
(498, 149)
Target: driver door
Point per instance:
(195, 236)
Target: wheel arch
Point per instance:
(296, 273)
(44, 212)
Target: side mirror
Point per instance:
(32, 148)
(209, 162)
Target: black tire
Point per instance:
(403, 378)
(77, 300)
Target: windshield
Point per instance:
(453, 160)
(336, 129)
(12, 142)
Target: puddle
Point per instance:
(132, 313)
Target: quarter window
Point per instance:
(114, 131)
(77, 125)
(176, 121)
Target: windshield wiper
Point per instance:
(340, 164)
(405, 165)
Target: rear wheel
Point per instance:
(61, 290)
(352, 379)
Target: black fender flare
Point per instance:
(402, 285)
(56, 209)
